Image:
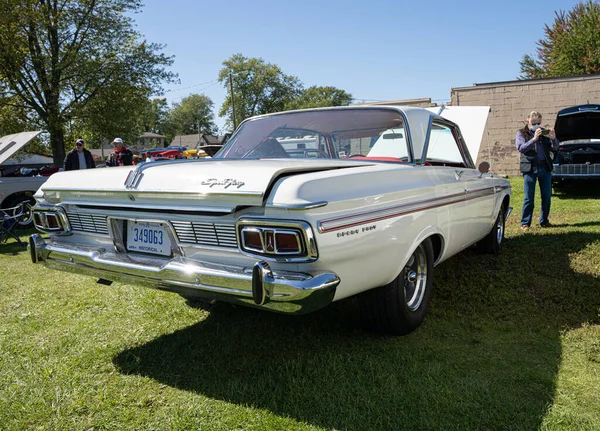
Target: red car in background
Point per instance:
(168, 154)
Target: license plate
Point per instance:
(148, 237)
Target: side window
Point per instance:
(390, 143)
(443, 147)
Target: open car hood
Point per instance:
(10, 144)
(577, 123)
(470, 119)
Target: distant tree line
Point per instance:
(78, 68)
(571, 45)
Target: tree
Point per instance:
(155, 115)
(194, 114)
(571, 46)
(117, 111)
(258, 87)
(319, 97)
(13, 118)
(56, 57)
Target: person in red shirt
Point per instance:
(121, 156)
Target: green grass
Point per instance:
(511, 342)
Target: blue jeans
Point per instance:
(544, 177)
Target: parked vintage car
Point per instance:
(578, 157)
(257, 227)
(18, 182)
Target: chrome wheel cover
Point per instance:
(415, 278)
(27, 215)
(499, 230)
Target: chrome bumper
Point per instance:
(257, 286)
(576, 171)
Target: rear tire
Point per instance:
(400, 307)
(492, 243)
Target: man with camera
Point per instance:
(537, 147)
(121, 156)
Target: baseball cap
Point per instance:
(79, 141)
(117, 141)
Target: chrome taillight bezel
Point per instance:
(269, 252)
(51, 220)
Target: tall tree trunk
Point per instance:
(57, 140)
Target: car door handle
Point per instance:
(458, 174)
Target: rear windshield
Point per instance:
(334, 134)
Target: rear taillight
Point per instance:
(288, 242)
(275, 240)
(50, 221)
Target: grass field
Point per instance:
(511, 342)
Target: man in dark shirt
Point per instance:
(536, 147)
(121, 156)
(79, 157)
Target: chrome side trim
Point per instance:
(148, 193)
(283, 291)
(344, 222)
(298, 207)
(476, 194)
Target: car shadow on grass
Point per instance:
(12, 247)
(589, 189)
(487, 356)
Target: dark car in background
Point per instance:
(578, 157)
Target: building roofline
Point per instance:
(476, 85)
(396, 102)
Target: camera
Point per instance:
(545, 131)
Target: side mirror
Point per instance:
(484, 167)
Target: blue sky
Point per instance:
(376, 49)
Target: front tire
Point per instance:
(399, 307)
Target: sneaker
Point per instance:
(547, 224)
(524, 228)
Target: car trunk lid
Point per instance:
(203, 184)
(578, 123)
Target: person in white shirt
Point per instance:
(79, 157)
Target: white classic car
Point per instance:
(16, 189)
(382, 195)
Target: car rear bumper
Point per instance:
(257, 286)
(576, 172)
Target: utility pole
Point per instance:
(232, 100)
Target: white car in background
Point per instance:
(16, 189)
(393, 193)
